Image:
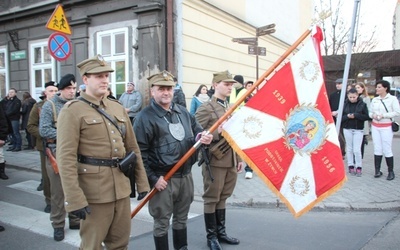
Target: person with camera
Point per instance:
(355, 113)
(94, 139)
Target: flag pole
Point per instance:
(193, 149)
(350, 43)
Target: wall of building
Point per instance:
(143, 20)
(206, 42)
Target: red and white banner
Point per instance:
(286, 133)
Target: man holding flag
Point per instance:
(220, 176)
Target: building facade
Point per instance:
(190, 38)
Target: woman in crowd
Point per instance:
(355, 113)
(363, 93)
(199, 97)
(384, 108)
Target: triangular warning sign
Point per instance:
(58, 21)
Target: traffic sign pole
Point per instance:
(253, 48)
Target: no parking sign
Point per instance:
(59, 46)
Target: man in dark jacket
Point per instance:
(334, 101)
(165, 132)
(13, 107)
(179, 96)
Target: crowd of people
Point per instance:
(90, 178)
(362, 116)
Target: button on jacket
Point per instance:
(83, 130)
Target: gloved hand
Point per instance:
(81, 213)
(141, 195)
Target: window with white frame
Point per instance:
(4, 84)
(113, 46)
(42, 67)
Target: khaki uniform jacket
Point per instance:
(207, 114)
(83, 130)
(33, 124)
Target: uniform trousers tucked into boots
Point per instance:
(174, 200)
(58, 213)
(215, 195)
(382, 138)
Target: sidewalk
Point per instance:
(358, 193)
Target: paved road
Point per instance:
(21, 210)
(358, 193)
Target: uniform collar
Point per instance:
(221, 102)
(93, 100)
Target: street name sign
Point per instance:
(255, 50)
(246, 40)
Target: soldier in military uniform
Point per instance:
(165, 132)
(33, 128)
(94, 135)
(48, 131)
(224, 164)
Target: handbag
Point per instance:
(395, 125)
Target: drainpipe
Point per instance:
(170, 36)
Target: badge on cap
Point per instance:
(101, 60)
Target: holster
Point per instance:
(206, 159)
(52, 159)
(220, 148)
(128, 164)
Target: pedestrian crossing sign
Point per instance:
(58, 21)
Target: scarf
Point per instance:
(203, 97)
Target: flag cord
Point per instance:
(193, 149)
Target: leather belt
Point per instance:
(98, 162)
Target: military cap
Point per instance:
(163, 78)
(66, 81)
(51, 83)
(94, 65)
(223, 76)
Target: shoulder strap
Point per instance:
(102, 113)
(385, 107)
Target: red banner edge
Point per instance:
(254, 167)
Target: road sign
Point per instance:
(59, 46)
(266, 27)
(246, 40)
(255, 50)
(58, 21)
(265, 30)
